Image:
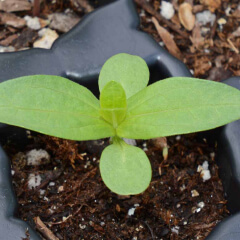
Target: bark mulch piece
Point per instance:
(201, 47)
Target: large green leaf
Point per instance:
(179, 105)
(113, 103)
(129, 70)
(52, 105)
(125, 169)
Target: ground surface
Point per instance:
(69, 196)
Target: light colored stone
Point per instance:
(33, 23)
(167, 10)
(206, 17)
(48, 37)
(36, 157)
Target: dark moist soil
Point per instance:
(74, 203)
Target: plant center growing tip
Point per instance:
(113, 103)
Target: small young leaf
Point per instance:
(179, 105)
(129, 70)
(113, 103)
(125, 169)
(52, 105)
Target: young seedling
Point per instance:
(127, 109)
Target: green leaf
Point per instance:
(179, 105)
(125, 169)
(52, 105)
(113, 103)
(129, 70)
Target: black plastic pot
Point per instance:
(79, 56)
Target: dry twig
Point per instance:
(41, 227)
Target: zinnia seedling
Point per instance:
(127, 109)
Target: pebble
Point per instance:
(222, 21)
(130, 141)
(179, 137)
(161, 44)
(46, 199)
(201, 204)
(82, 226)
(51, 184)
(7, 49)
(42, 192)
(228, 11)
(212, 155)
(60, 188)
(167, 10)
(33, 22)
(47, 39)
(175, 229)
(204, 171)
(195, 193)
(34, 180)
(132, 210)
(206, 175)
(36, 157)
(142, 13)
(12, 172)
(206, 17)
(183, 187)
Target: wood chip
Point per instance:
(3, 34)
(11, 19)
(15, 5)
(186, 17)
(236, 13)
(62, 22)
(167, 39)
(8, 41)
(232, 46)
(198, 8)
(41, 227)
(219, 74)
(175, 20)
(202, 65)
(196, 38)
(25, 39)
(236, 33)
(212, 4)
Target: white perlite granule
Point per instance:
(132, 210)
(204, 171)
(33, 23)
(175, 229)
(34, 157)
(167, 10)
(34, 180)
(206, 17)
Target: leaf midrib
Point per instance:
(50, 111)
(178, 109)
